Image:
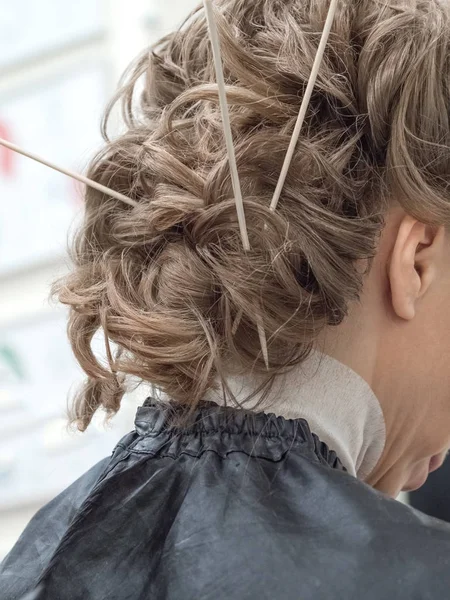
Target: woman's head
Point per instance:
(169, 281)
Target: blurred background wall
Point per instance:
(59, 64)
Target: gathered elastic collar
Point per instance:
(255, 433)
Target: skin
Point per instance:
(397, 338)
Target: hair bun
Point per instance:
(169, 281)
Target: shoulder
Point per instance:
(22, 567)
(386, 546)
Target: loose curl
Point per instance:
(168, 280)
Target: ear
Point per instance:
(414, 264)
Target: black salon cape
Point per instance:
(237, 506)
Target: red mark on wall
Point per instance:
(7, 157)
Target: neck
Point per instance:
(338, 404)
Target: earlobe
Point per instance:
(404, 292)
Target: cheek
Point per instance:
(432, 363)
(439, 324)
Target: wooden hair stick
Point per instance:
(215, 43)
(68, 172)
(305, 103)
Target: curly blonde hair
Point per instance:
(166, 280)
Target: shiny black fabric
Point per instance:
(237, 506)
(434, 497)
